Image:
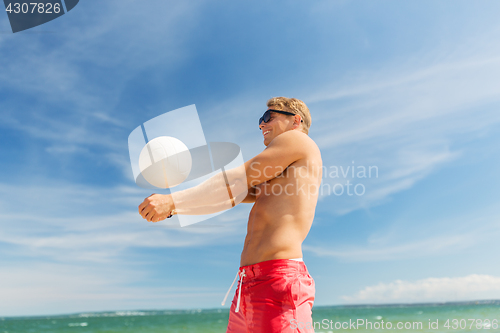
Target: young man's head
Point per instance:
(294, 115)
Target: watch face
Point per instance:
(28, 14)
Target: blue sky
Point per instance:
(411, 87)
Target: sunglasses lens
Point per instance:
(267, 116)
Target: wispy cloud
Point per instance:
(80, 248)
(471, 287)
(74, 288)
(404, 119)
(58, 225)
(408, 238)
(395, 251)
(74, 249)
(68, 96)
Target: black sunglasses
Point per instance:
(267, 115)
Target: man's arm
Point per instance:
(284, 150)
(213, 194)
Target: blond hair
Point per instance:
(292, 105)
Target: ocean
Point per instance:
(480, 316)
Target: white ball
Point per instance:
(165, 162)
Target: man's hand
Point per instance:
(156, 207)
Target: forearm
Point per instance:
(208, 209)
(220, 192)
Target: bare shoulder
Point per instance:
(296, 140)
(284, 150)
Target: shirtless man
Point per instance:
(275, 291)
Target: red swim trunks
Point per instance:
(276, 296)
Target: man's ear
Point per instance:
(297, 119)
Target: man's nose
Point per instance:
(262, 125)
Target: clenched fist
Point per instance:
(156, 207)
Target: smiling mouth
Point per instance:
(265, 133)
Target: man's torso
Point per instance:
(283, 211)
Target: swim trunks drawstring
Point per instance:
(241, 275)
(239, 292)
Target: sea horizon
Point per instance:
(464, 316)
(132, 312)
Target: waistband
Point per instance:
(264, 268)
(273, 266)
